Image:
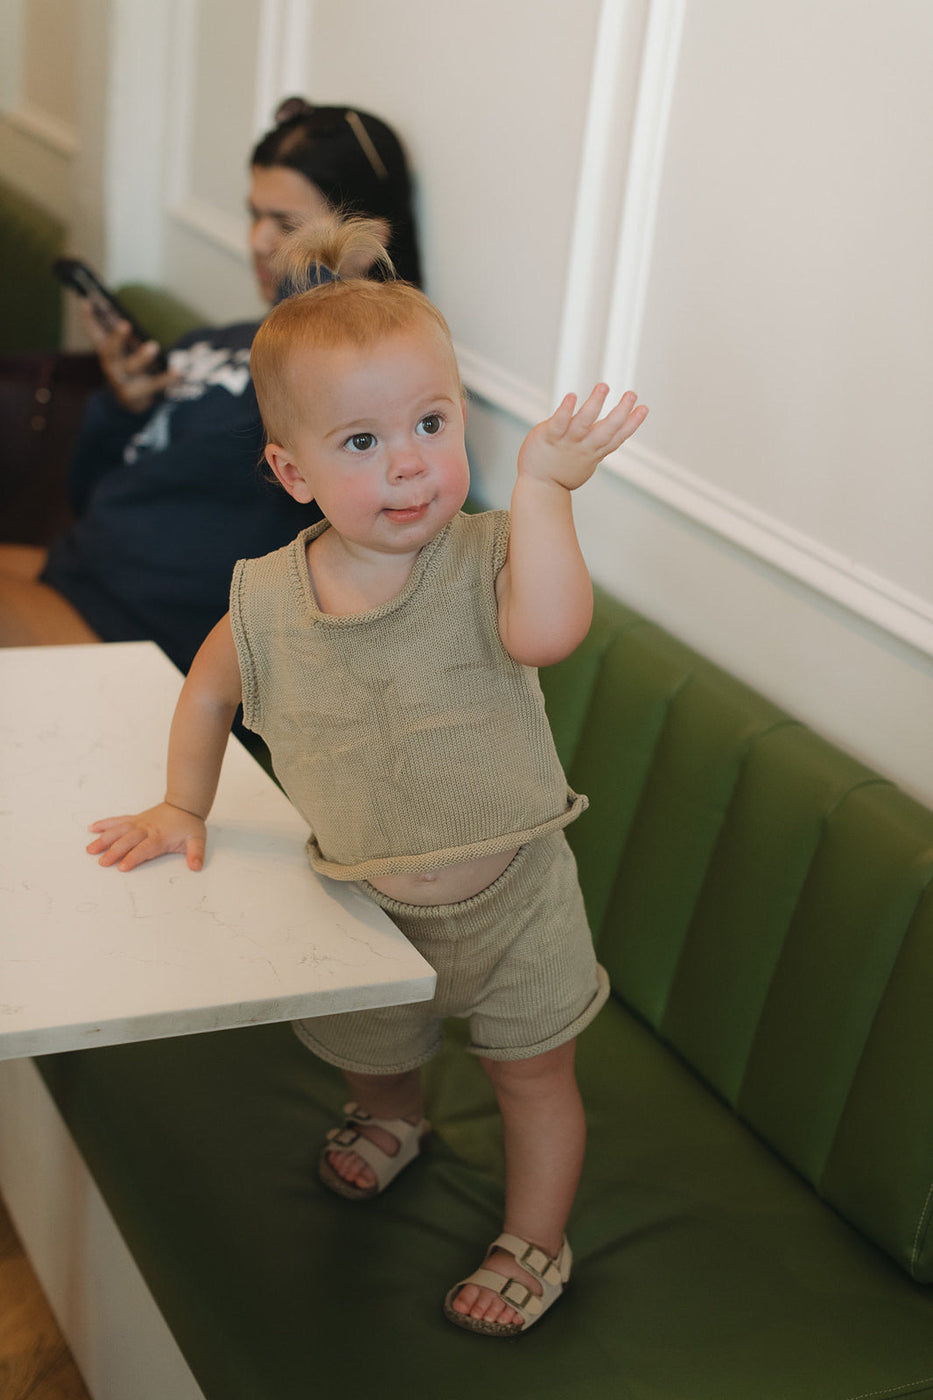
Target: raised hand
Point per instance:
(568, 447)
(131, 840)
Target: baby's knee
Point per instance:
(534, 1071)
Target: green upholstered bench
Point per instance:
(31, 238)
(164, 316)
(754, 1220)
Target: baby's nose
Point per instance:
(406, 462)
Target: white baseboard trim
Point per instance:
(119, 1340)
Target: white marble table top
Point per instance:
(90, 956)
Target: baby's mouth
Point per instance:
(405, 514)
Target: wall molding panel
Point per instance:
(763, 537)
(214, 226)
(501, 389)
(620, 32)
(56, 135)
(140, 96)
(642, 188)
(211, 224)
(183, 47)
(285, 28)
(864, 593)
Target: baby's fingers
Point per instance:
(562, 416)
(138, 848)
(624, 420)
(109, 829)
(124, 840)
(117, 845)
(591, 408)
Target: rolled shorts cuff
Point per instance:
(559, 1038)
(331, 1057)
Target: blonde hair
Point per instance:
(349, 309)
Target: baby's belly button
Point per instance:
(446, 886)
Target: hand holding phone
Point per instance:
(135, 374)
(107, 308)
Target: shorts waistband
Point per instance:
(461, 906)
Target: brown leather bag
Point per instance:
(42, 400)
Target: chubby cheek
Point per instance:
(456, 482)
(350, 499)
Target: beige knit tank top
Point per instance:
(406, 736)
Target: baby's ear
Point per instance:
(288, 473)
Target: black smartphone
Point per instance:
(107, 308)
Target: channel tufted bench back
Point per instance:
(31, 238)
(765, 903)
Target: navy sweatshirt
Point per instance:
(167, 501)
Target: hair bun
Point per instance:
(290, 108)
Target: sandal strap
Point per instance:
(551, 1271)
(385, 1165)
(400, 1128)
(517, 1294)
(343, 1137)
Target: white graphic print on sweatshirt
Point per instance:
(200, 367)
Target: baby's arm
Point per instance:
(197, 743)
(544, 592)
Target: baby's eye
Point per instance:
(430, 424)
(360, 442)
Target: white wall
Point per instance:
(725, 203)
(39, 131)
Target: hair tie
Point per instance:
(315, 275)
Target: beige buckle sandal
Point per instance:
(552, 1274)
(385, 1165)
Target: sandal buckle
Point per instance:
(516, 1293)
(343, 1137)
(535, 1261)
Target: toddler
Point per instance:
(387, 658)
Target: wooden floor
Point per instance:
(35, 1363)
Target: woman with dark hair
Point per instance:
(165, 484)
(355, 161)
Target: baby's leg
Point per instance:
(381, 1096)
(545, 1136)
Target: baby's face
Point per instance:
(378, 441)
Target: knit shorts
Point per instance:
(515, 960)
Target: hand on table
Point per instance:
(129, 841)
